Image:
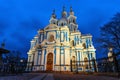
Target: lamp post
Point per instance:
(21, 60)
(112, 59)
(21, 65)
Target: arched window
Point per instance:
(72, 43)
(62, 24)
(85, 59)
(84, 45)
(73, 21)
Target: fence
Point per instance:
(12, 67)
(107, 64)
(111, 64)
(87, 66)
(31, 67)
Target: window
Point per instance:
(84, 45)
(72, 43)
(73, 21)
(62, 51)
(51, 38)
(62, 24)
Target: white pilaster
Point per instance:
(57, 56)
(42, 60)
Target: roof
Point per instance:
(51, 26)
(63, 19)
(2, 51)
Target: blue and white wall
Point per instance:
(68, 43)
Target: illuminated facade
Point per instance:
(58, 43)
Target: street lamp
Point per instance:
(21, 60)
(110, 55)
(21, 65)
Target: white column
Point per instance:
(77, 56)
(39, 58)
(42, 60)
(67, 56)
(62, 57)
(29, 57)
(57, 56)
(81, 57)
(35, 57)
(41, 37)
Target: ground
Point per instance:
(56, 76)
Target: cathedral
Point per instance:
(60, 43)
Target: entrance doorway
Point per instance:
(49, 66)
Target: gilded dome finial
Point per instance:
(64, 13)
(53, 14)
(71, 9)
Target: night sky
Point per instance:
(21, 19)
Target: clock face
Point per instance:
(51, 38)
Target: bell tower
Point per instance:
(63, 20)
(72, 21)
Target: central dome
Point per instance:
(63, 21)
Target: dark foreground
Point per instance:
(56, 76)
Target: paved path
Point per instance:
(56, 76)
(31, 76)
(82, 77)
(49, 77)
(40, 77)
(44, 77)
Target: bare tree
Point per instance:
(110, 34)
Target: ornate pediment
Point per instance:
(51, 26)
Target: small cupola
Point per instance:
(53, 19)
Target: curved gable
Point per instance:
(51, 26)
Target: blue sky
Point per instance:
(21, 19)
